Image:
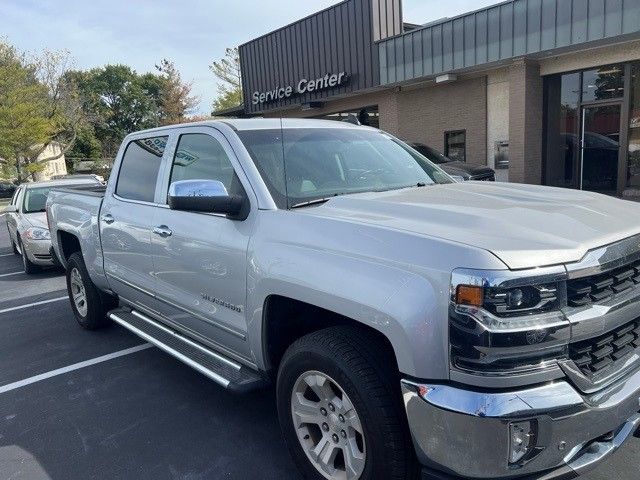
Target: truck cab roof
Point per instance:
(241, 124)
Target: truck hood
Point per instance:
(524, 226)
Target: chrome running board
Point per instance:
(222, 370)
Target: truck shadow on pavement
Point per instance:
(144, 416)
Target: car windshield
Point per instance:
(432, 154)
(35, 199)
(302, 165)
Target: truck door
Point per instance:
(200, 259)
(126, 220)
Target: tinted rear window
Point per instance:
(139, 169)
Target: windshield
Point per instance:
(35, 199)
(431, 154)
(301, 165)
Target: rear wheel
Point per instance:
(341, 410)
(90, 305)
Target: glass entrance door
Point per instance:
(600, 148)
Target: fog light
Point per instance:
(521, 441)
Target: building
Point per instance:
(54, 167)
(546, 91)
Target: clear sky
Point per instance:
(192, 33)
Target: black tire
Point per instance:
(97, 302)
(28, 266)
(13, 246)
(363, 366)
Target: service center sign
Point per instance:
(330, 80)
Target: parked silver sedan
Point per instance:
(27, 221)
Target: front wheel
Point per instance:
(341, 410)
(28, 266)
(13, 244)
(90, 305)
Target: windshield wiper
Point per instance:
(402, 187)
(317, 201)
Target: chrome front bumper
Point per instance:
(467, 433)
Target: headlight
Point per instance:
(36, 233)
(506, 300)
(502, 321)
(523, 300)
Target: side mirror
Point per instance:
(457, 178)
(10, 209)
(209, 196)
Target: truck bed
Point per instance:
(74, 211)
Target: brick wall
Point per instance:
(525, 123)
(425, 114)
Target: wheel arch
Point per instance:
(286, 319)
(68, 244)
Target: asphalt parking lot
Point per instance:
(105, 405)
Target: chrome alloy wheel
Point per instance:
(328, 427)
(78, 293)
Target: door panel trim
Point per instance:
(179, 307)
(137, 202)
(131, 285)
(187, 331)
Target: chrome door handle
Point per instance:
(163, 231)
(108, 218)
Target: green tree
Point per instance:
(87, 144)
(119, 101)
(227, 70)
(176, 101)
(38, 108)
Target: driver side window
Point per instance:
(201, 157)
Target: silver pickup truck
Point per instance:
(413, 326)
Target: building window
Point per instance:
(582, 121)
(633, 171)
(562, 118)
(455, 145)
(604, 83)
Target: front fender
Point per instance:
(410, 309)
(394, 281)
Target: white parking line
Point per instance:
(42, 302)
(8, 255)
(12, 273)
(71, 368)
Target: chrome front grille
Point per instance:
(601, 287)
(596, 354)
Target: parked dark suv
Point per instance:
(454, 167)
